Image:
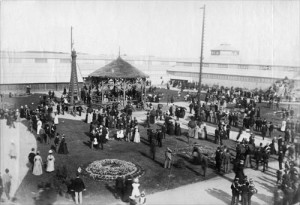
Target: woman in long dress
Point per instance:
(202, 130)
(56, 119)
(283, 126)
(63, 149)
(39, 126)
(90, 117)
(38, 165)
(50, 162)
(137, 137)
(196, 132)
(17, 115)
(12, 150)
(135, 191)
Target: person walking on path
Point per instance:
(168, 158)
(63, 148)
(78, 186)
(227, 161)
(6, 180)
(12, 150)
(235, 188)
(31, 157)
(153, 149)
(37, 167)
(135, 188)
(204, 164)
(50, 162)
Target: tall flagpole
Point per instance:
(201, 57)
(71, 39)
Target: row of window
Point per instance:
(166, 63)
(224, 77)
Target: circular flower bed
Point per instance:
(110, 169)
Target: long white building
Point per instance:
(51, 70)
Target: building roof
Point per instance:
(118, 68)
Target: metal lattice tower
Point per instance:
(73, 87)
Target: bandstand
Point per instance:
(117, 82)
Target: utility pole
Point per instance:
(201, 56)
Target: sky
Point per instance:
(263, 31)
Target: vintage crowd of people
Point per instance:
(110, 122)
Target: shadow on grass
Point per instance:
(182, 140)
(194, 171)
(220, 194)
(87, 143)
(144, 141)
(112, 190)
(147, 156)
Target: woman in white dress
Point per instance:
(107, 135)
(135, 191)
(202, 130)
(196, 132)
(12, 150)
(120, 134)
(56, 119)
(50, 162)
(137, 137)
(90, 117)
(283, 126)
(39, 126)
(17, 115)
(38, 165)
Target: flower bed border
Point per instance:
(139, 172)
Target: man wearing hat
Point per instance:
(168, 158)
(251, 190)
(78, 186)
(235, 188)
(244, 191)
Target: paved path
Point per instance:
(217, 190)
(24, 141)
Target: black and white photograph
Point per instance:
(159, 102)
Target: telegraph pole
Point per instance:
(201, 56)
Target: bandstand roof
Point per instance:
(118, 68)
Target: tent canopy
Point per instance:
(118, 69)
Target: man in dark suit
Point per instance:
(31, 157)
(204, 164)
(102, 137)
(78, 186)
(159, 138)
